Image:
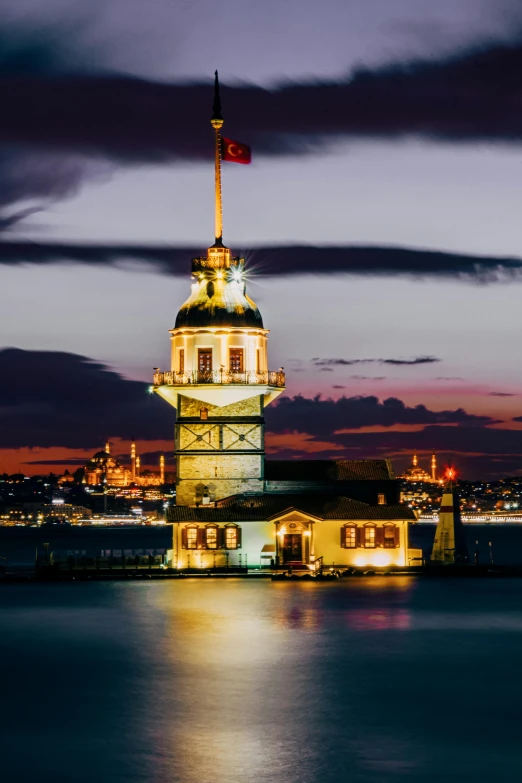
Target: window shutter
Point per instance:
(221, 538)
(359, 537)
(184, 538)
(238, 537)
(343, 537)
(379, 536)
(397, 537)
(202, 544)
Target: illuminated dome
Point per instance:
(218, 296)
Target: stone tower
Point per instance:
(219, 381)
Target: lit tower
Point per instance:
(219, 380)
(138, 465)
(162, 468)
(449, 545)
(433, 467)
(133, 461)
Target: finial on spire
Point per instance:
(217, 102)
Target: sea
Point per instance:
(377, 678)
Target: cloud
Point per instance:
(275, 261)
(368, 377)
(321, 417)
(56, 406)
(49, 398)
(502, 394)
(338, 387)
(63, 100)
(328, 363)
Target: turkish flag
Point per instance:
(235, 151)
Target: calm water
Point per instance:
(202, 681)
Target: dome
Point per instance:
(219, 302)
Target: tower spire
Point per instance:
(217, 124)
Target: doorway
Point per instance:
(292, 548)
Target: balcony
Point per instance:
(220, 377)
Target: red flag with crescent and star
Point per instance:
(235, 151)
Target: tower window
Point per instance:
(205, 360)
(258, 360)
(181, 360)
(381, 499)
(203, 414)
(236, 360)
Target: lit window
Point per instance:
(236, 360)
(389, 536)
(231, 537)
(350, 540)
(203, 413)
(192, 538)
(211, 537)
(181, 363)
(205, 360)
(381, 499)
(369, 537)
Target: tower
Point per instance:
(433, 467)
(107, 447)
(415, 461)
(449, 545)
(133, 461)
(138, 465)
(162, 468)
(219, 381)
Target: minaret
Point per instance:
(162, 469)
(133, 461)
(107, 447)
(138, 464)
(433, 467)
(219, 380)
(449, 545)
(415, 461)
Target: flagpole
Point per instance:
(217, 124)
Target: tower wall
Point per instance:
(219, 449)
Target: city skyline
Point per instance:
(380, 227)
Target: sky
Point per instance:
(379, 220)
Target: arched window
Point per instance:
(369, 537)
(211, 536)
(232, 537)
(391, 536)
(189, 537)
(349, 536)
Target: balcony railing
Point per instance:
(269, 378)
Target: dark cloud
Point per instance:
(274, 261)
(322, 417)
(368, 377)
(501, 394)
(338, 387)
(49, 398)
(61, 100)
(469, 96)
(328, 363)
(61, 399)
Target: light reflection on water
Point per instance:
(207, 681)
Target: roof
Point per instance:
(260, 507)
(329, 470)
(219, 302)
